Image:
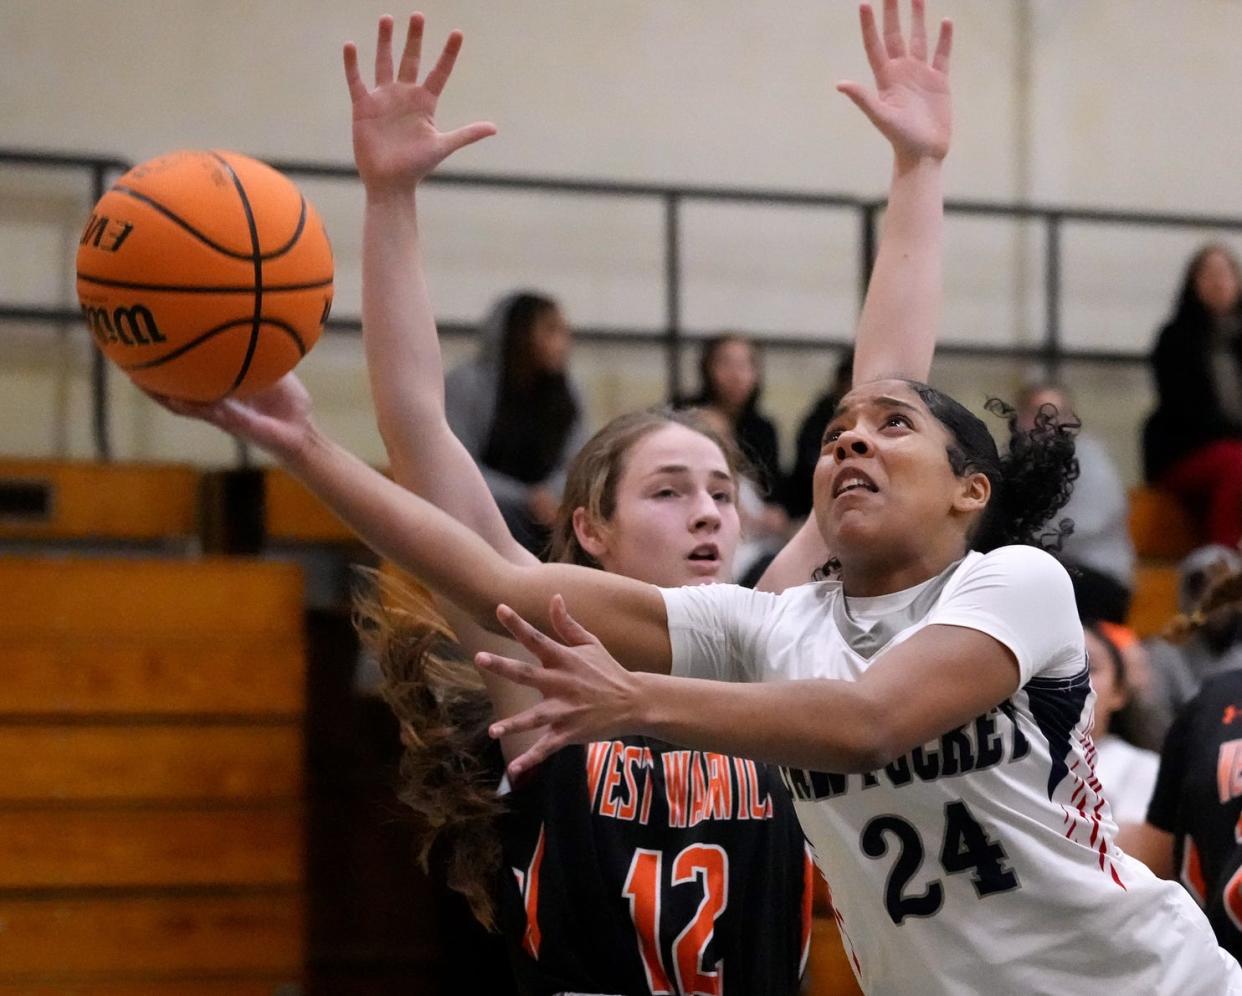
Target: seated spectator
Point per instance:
(729, 388)
(1098, 553)
(811, 438)
(517, 411)
(1192, 442)
(1212, 645)
(1128, 773)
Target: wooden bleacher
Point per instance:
(151, 744)
(1163, 533)
(51, 500)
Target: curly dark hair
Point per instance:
(1031, 482)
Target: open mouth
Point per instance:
(706, 553)
(849, 480)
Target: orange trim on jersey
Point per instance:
(530, 896)
(1192, 872)
(808, 901)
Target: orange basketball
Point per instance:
(204, 274)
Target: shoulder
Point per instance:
(1018, 565)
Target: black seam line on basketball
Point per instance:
(206, 240)
(200, 289)
(180, 350)
(257, 257)
(211, 333)
(290, 330)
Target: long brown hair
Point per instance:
(451, 769)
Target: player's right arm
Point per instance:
(396, 145)
(896, 335)
(448, 557)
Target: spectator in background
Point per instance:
(1192, 443)
(811, 438)
(730, 384)
(517, 411)
(1210, 646)
(1128, 773)
(1099, 553)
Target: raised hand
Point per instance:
(910, 103)
(276, 418)
(587, 695)
(396, 142)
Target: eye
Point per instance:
(724, 497)
(900, 420)
(665, 492)
(831, 435)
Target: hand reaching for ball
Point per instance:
(396, 142)
(278, 418)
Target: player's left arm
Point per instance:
(896, 335)
(941, 678)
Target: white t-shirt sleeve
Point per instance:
(1023, 598)
(715, 630)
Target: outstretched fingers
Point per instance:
(533, 756)
(918, 30)
(567, 627)
(443, 69)
(383, 51)
(407, 70)
(542, 646)
(459, 138)
(872, 43)
(353, 78)
(944, 45)
(894, 43)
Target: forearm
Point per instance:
(405, 368)
(399, 334)
(901, 313)
(457, 564)
(821, 725)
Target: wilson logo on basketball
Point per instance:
(104, 233)
(133, 326)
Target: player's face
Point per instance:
(675, 521)
(883, 484)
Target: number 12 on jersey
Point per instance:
(644, 886)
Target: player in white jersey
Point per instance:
(979, 860)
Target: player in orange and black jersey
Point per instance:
(633, 866)
(1197, 805)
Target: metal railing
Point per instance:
(1050, 351)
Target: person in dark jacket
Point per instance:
(518, 412)
(1192, 443)
(729, 388)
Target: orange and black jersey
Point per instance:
(1198, 798)
(634, 867)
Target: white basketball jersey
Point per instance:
(982, 862)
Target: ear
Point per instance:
(592, 536)
(973, 493)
